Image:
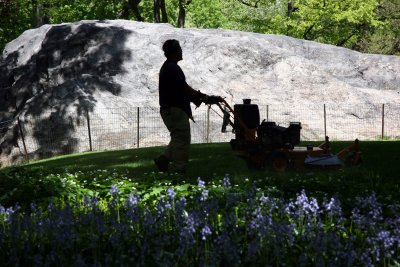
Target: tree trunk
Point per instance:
(182, 14)
(290, 8)
(40, 13)
(124, 13)
(159, 6)
(133, 4)
(35, 14)
(156, 9)
(164, 11)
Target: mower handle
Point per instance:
(248, 133)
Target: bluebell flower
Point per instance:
(114, 190)
(191, 224)
(171, 193)
(201, 183)
(180, 212)
(333, 207)
(86, 200)
(388, 241)
(367, 213)
(226, 182)
(132, 200)
(50, 206)
(188, 230)
(32, 206)
(206, 231)
(306, 205)
(204, 195)
(366, 259)
(94, 201)
(181, 203)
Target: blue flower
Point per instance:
(227, 183)
(201, 183)
(132, 201)
(114, 190)
(171, 193)
(86, 200)
(206, 231)
(204, 195)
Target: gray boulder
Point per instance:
(52, 76)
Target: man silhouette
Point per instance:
(175, 96)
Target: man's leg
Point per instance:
(177, 150)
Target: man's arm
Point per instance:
(194, 95)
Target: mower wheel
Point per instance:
(278, 162)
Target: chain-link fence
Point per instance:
(109, 129)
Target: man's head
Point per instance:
(172, 50)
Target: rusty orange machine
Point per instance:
(268, 145)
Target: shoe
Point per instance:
(162, 163)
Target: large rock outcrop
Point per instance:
(94, 66)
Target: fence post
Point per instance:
(208, 124)
(89, 131)
(324, 121)
(138, 127)
(267, 112)
(23, 139)
(383, 121)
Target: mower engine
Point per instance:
(266, 136)
(272, 136)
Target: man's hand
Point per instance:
(211, 99)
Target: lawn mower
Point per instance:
(268, 145)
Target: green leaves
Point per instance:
(364, 25)
(336, 22)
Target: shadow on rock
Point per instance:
(56, 86)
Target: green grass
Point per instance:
(90, 172)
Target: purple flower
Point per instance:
(268, 203)
(50, 206)
(191, 224)
(171, 193)
(368, 212)
(259, 223)
(386, 238)
(201, 183)
(94, 201)
(33, 207)
(187, 231)
(7, 212)
(181, 204)
(204, 195)
(227, 183)
(132, 201)
(206, 231)
(333, 207)
(86, 200)
(257, 220)
(305, 206)
(114, 190)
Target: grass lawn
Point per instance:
(379, 172)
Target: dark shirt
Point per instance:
(173, 91)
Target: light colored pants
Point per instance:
(177, 122)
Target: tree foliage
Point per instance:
(338, 22)
(386, 39)
(15, 17)
(364, 25)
